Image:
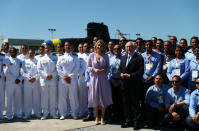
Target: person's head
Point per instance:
(48, 49)
(86, 48)
(149, 46)
(173, 40)
(111, 45)
(179, 52)
(167, 46)
(117, 50)
(80, 48)
(31, 53)
(13, 52)
(159, 44)
(24, 49)
(158, 80)
(100, 47)
(183, 44)
(194, 42)
(176, 82)
(196, 52)
(122, 42)
(130, 47)
(67, 47)
(139, 44)
(95, 39)
(60, 48)
(154, 40)
(41, 50)
(197, 83)
(91, 50)
(5, 47)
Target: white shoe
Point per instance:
(55, 117)
(43, 118)
(62, 118)
(10, 118)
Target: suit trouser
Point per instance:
(14, 96)
(83, 96)
(32, 99)
(2, 96)
(49, 99)
(68, 96)
(131, 105)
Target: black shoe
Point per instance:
(88, 118)
(126, 124)
(136, 126)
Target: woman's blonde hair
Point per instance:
(103, 45)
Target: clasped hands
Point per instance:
(32, 79)
(125, 75)
(99, 70)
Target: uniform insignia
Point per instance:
(63, 59)
(27, 63)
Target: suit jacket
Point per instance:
(135, 68)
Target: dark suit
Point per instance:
(131, 87)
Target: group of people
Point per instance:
(129, 81)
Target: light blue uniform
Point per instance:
(152, 64)
(114, 65)
(194, 73)
(156, 97)
(190, 55)
(180, 68)
(2, 87)
(174, 97)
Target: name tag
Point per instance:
(177, 72)
(149, 66)
(194, 74)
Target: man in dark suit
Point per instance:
(132, 69)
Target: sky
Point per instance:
(31, 19)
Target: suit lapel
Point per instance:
(131, 59)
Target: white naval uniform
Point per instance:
(82, 90)
(2, 87)
(22, 58)
(68, 64)
(31, 90)
(13, 90)
(47, 66)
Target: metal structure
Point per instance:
(51, 32)
(119, 33)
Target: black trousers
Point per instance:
(183, 111)
(131, 103)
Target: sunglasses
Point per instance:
(116, 48)
(196, 82)
(175, 81)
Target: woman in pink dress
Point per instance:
(99, 94)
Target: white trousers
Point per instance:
(83, 96)
(32, 100)
(49, 99)
(2, 96)
(68, 96)
(14, 99)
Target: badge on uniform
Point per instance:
(194, 74)
(63, 59)
(149, 66)
(177, 72)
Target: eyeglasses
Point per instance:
(116, 48)
(196, 82)
(175, 81)
(122, 40)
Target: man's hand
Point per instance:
(116, 83)
(67, 79)
(32, 79)
(175, 115)
(125, 75)
(171, 108)
(122, 75)
(49, 77)
(17, 81)
(96, 70)
(196, 119)
(149, 78)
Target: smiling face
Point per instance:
(48, 49)
(67, 47)
(31, 54)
